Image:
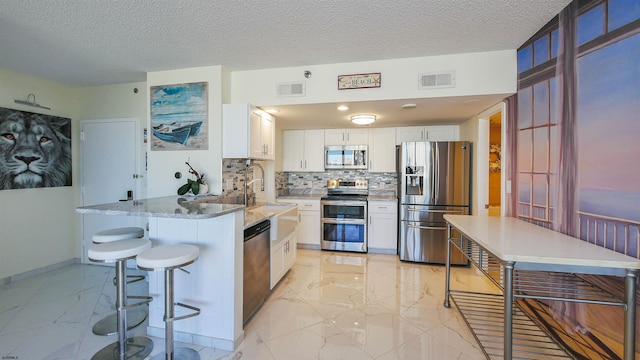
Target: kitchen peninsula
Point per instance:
(214, 282)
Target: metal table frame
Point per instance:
(528, 273)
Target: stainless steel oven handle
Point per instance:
(344, 203)
(437, 211)
(344, 221)
(427, 227)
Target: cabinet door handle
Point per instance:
(369, 219)
(382, 207)
(305, 164)
(301, 165)
(266, 149)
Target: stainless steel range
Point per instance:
(344, 216)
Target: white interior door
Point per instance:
(109, 152)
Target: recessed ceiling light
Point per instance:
(343, 108)
(272, 111)
(409, 106)
(363, 119)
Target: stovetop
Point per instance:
(347, 190)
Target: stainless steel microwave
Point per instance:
(345, 157)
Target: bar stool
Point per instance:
(168, 258)
(109, 324)
(120, 251)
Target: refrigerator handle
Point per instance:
(436, 169)
(433, 173)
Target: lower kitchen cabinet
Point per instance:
(283, 255)
(383, 226)
(308, 222)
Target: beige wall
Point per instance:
(476, 74)
(38, 226)
(164, 164)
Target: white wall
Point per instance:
(38, 226)
(164, 164)
(476, 74)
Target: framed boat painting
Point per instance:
(179, 117)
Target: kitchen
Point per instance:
(129, 104)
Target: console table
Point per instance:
(528, 261)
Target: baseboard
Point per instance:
(308, 246)
(382, 251)
(42, 270)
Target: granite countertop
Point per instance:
(180, 207)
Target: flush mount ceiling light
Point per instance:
(409, 106)
(343, 108)
(363, 119)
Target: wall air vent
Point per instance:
(288, 89)
(437, 80)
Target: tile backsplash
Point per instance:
(302, 182)
(317, 182)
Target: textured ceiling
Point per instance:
(90, 42)
(94, 42)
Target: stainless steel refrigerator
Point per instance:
(433, 180)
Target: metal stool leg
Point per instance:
(136, 316)
(172, 353)
(124, 348)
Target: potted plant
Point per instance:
(197, 186)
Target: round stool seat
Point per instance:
(167, 257)
(118, 250)
(118, 234)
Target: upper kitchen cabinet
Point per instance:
(382, 150)
(346, 136)
(427, 133)
(303, 150)
(247, 132)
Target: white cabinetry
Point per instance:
(303, 150)
(247, 132)
(346, 136)
(382, 150)
(383, 226)
(427, 133)
(283, 255)
(308, 222)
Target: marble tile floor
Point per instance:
(331, 305)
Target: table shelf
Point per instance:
(484, 314)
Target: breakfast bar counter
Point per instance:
(527, 261)
(214, 283)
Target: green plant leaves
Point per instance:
(184, 189)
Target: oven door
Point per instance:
(344, 235)
(344, 210)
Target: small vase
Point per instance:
(204, 189)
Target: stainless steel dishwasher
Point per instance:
(256, 268)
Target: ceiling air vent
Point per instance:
(288, 89)
(436, 80)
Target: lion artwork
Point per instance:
(35, 150)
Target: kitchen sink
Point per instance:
(284, 218)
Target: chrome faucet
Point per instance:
(246, 184)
